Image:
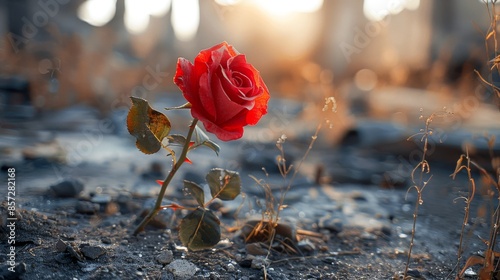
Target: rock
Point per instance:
(61, 246)
(231, 268)
(127, 204)
(182, 268)
(92, 252)
(246, 263)
(166, 275)
(101, 198)
(87, 207)
(67, 188)
(165, 257)
(256, 249)
(89, 267)
(106, 240)
(19, 270)
(63, 258)
(75, 252)
(162, 219)
(45, 153)
(334, 225)
(366, 236)
(306, 245)
(259, 262)
(258, 157)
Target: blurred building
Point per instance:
(99, 52)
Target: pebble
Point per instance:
(182, 268)
(75, 252)
(334, 225)
(368, 236)
(67, 188)
(256, 249)
(306, 245)
(19, 270)
(87, 207)
(258, 262)
(89, 267)
(165, 257)
(231, 268)
(92, 252)
(101, 198)
(246, 263)
(61, 246)
(63, 258)
(162, 219)
(106, 240)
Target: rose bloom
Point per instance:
(225, 91)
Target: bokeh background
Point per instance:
(69, 64)
(95, 52)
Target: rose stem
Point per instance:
(171, 174)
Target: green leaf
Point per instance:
(196, 191)
(201, 139)
(224, 184)
(199, 230)
(148, 126)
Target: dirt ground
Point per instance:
(352, 223)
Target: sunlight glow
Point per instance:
(365, 79)
(227, 2)
(283, 7)
(137, 12)
(157, 8)
(376, 10)
(185, 18)
(97, 12)
(136, 16)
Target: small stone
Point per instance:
(90, 267)
(63, 258)
(358, 196)
(162, 219)
(334, 225)
(165, 257)
(182, 268)
(306, 245)
(86, 207)
(92, 252)
(256, 249)
(75, 252)
(368, 236)
(61, 246)
(259, 262)
(67, 188)
(19, 270)
(106, 240)
(101, 198)
(231, 268)
(246, 263)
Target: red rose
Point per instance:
(226, 93)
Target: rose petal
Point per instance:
(207, 101)
(226, 108)
(226, 133)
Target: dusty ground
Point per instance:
(356, 224)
